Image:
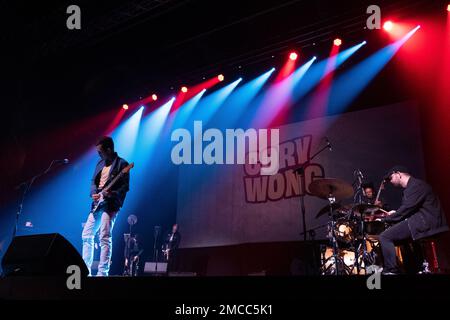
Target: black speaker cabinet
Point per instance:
(41, 255)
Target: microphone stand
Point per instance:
(155, 251)
(301, 171)
(27, 186)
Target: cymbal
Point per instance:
(339, 189)
(336, 208)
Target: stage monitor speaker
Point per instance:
(41, 255)
(153, 267)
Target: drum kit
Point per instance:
(353, 229)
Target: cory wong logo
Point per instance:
(286, 183)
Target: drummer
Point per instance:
(419, 216)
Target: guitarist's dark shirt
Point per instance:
(119, 190)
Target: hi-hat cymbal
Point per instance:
(323, 188)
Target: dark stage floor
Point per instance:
(236, 289)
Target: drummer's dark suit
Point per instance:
(420, 215)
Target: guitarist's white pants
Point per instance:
(103, 221)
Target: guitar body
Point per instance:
(98, 204)
(166, 252)
(101, 201)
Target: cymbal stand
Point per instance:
(301, 171)
(359, 194)
(332, 226)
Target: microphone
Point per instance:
(328, 144)
(63, 161)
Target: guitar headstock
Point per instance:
(128, 168)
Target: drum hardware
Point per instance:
(345, 264)
(332, 190)
(301, 171)
(352, 229)
(340, 210)
(361, 212)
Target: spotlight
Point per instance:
(184, 89)
(220, 77)
(337, 42)
(388, 25)
(293, 56)
(125, 107)
(448, 7)
(154, 97)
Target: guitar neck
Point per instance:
(379, 191)
(109, 186)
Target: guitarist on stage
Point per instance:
(170, 247)
(106, 204)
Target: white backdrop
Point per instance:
(219, 205)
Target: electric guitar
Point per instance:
(166, 251)
(379, 191)
(97, 204)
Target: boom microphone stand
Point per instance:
(301, 171)
(155, 251)
(27, 186)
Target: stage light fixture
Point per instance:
(184, 89)
(220, 77)
(125, 107)
(154, 97)
(388, 25)
(293, 56)
(448, 7)
(337, 42)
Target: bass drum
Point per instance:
(346, 265)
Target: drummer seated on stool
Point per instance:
(419, 216)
